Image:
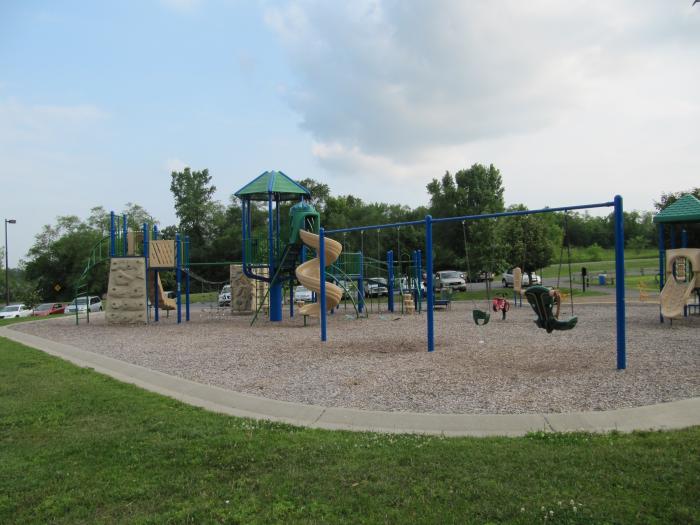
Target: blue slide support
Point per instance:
(322, 275)
(620, 283)
(275, 287)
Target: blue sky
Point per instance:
(574, 101)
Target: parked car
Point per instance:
(348, 286)
(47, 309)
(376, 287)
(303, 294)
(450, 279)
(507, 279)
(82, 304)
(15, 310)
(225, 296)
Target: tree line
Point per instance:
(59, 253)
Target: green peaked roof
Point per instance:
(685, 209)
(274, 182)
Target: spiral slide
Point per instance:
(309, 274)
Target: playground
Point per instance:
(539, 358)
(380, 362)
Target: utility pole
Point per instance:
(7, 280)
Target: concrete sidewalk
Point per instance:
(677, 414)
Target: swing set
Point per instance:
(542, 306)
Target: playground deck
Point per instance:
(380, 363)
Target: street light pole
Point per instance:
(7, 281)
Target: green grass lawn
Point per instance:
(79, 447)
(206, 297)
(648, 266)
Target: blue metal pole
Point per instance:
(275, 287)
(390, 280)
(662, 263)
(112, 235)
(125, 230)
(178, 277)
(684, 238)
(429, 279)
(672, 234)
(147, 259)
(361, 285)
(662, 257)
(244, 236)
(322, 277)
(156, 308)
(291, 299)
(475, 217)
(278, 251)
(187, 278)
(419, 276)
(620, 284)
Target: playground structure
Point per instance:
(679, 268)
(272, 257)
(136, 261)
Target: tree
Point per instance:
(319, 192)
(194, 206)
(476, 191)
(59, 256)
(526, 240)
(669, 198)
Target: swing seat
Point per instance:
(480, 317)
(542, 303)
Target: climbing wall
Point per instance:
(126, 295)
(242, 290)
(247, 294)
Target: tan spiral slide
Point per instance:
(309, 273)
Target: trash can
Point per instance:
(601, 279)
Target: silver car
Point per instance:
(507, 279)
(450, 279)
(81, 304)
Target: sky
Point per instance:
(573, 101)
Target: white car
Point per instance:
(303, 294)
(82, 304)
(450, 279)
(225, 296)
(507, 279)
(15, 310)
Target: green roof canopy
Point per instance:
(274, 182)
(685, 209)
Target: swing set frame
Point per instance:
(428, 223)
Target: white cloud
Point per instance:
(413, 88)
(175, 164)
